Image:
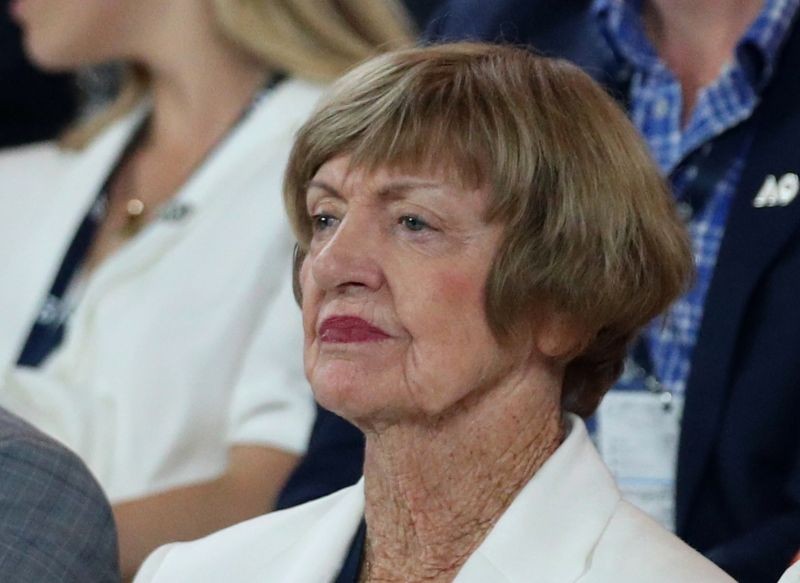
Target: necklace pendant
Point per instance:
(134, 217)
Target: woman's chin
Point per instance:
(361, 403)
(344, 399)
(340, 381)
(54, 53)
(49, 58)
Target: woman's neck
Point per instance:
(434, 488)
(200, 81)
(194, 105)
(697, 38)
(200, 85)
(198, 93)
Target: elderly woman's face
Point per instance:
(393, 293)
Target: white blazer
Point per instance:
(186, 340)
(569, 524)
(792, 574)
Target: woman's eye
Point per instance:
(413, 223)
(321, 222)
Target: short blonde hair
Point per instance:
(311, 39)
(590, 228)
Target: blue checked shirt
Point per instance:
(655, 107)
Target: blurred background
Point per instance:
(35, 106)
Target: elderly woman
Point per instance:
(480, 235)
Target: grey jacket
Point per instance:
(55, 523)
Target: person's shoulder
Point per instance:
(13, 427)
(33, 162)
(634, 547)
(29, 457)
(249, 550)
(35, 151)
(792, 574)
(41, 162)
(46, 496)
(29, 177)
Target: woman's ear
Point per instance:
(560, 336)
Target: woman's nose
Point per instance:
(350, 259)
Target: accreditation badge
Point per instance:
(637, 434)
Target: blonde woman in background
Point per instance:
(146, 302)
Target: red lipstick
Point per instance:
(346, 329)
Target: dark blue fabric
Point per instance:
(47, 331)
(334, 460)
(351, 568)
(422, 10)
(738, 483)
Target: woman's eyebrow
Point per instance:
(393, 190)
(323, 186)
(399, 189)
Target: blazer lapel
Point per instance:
(560, 515)
(320, 554)
(753, 238)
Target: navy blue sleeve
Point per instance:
(334, 460)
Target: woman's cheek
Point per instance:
(444, 307)
(457, 288)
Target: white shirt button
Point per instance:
(691, 173)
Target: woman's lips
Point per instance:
(346, 329)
